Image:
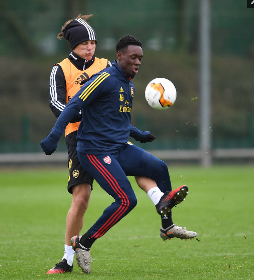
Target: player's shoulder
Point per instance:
(106, 71)
(104, 76)
(57, 69)
(61, 64)
(103, 61)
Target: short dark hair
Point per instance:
(127, 40)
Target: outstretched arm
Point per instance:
(49, 144)
(142, 136)
(87, 94)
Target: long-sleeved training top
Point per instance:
(66, 79)
(106, 103)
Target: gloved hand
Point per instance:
(143, 136)
(49, 144)
(147, 137)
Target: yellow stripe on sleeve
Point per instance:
(93, 85)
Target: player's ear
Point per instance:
(118, 55)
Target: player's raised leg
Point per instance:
(158, 188)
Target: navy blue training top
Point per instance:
(106, 103)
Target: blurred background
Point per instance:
(171, 32)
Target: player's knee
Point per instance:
(81, 197)
(82, 202)
(164, 167)
(159, 167)
(132, 202)
(128, 202)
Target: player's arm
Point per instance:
(57, 90)
(87, 94)
(49, 144)
(57, 93)
(142, 136)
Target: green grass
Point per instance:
(34, 203)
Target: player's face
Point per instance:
(86, 49)
(129, 59)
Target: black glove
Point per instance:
(148, 137)
(49, 145)
(142, 136)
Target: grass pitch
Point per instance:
(219, 206)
